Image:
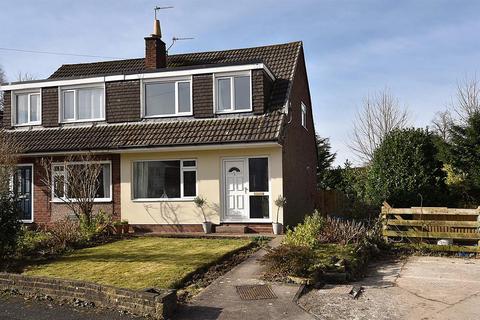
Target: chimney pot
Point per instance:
(155, 49)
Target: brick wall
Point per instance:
(203, 96)
(123, 101)
(155, 53)
(159, 304)
(50, 107)
(299, 152)
(45, 212)
(7, 109)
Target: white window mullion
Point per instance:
(75, 102)
(177, 109)
(232, 94)
(181, 180)
(29, 98)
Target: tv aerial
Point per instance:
(175, 39)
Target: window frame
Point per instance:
(231, 76)
(303, 115)
(182, 170)
(14, 115)
(64, 199)
(143, 96)
(61, 111)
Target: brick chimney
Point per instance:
(155, 49)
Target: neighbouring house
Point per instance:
(233, 126)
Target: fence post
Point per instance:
(384, 218)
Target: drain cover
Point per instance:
(255, 292)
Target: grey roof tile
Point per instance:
(113, 137)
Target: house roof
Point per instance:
(281, 60)
(113, 137)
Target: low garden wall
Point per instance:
(156, 303)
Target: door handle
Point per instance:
(246, 190)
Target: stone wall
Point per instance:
(155, 303)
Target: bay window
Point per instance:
(164, 179)
(61, 180)
(167, 98)
(83, 104)
(27, 108)
(233, 92)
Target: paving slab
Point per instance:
(220, 300)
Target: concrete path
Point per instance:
(415, 288)
(221, 301)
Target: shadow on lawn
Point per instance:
(176, 257)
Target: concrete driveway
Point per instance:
(415, 288)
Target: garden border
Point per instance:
(156, 303)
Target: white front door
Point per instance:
(236, 190)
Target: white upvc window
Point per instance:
(60, 177)
(233, 92)
(167, 97)
(304, 115)
(27, 108)
(164, 180)
(80, 104)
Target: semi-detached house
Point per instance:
(232, 126)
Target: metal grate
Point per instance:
(255, 292)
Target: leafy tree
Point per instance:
(465, 154)
(325, 159)
(405, 171)
(9, 211)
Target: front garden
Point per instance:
(324, 249)
(139, 263)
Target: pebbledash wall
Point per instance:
(209, 185)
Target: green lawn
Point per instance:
(139, 263)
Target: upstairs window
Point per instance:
(83, 104)
(27, 108)
(304, 116)
(167, 98)
(233, 92)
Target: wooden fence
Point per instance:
(331, 202)
(430, 224)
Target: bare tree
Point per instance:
(467, 100)
(441, 124)
(25, 76)
(2, 80)
(75, 182)
(380, 114)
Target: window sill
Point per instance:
(82, 121)
(233, 111)
(190, 199)
(72, 200)
(30, 124)
(169, 116)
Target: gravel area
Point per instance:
(13, 307)
(415, 288)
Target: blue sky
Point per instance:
(418, 49)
